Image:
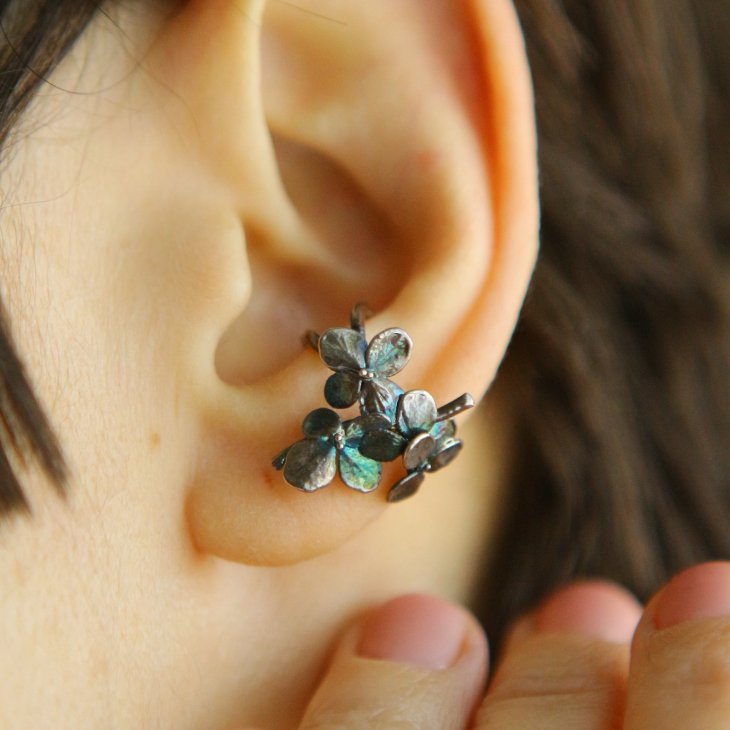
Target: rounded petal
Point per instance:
(380, 395)
(359, 472)
(342, 349)
(389, 352)
(311, 464)
(442, 432)
(418, 451)
(355, 428)
(416, 412)
(382, 445)
(321, 422)
(406, 487)
(342, 389)
(446, 455)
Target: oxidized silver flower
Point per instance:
(312, 463)
(423, 434)
(362, 371)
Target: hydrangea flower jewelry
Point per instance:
(392, 423)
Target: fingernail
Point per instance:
(423, 631)
(697, 593)
(595, 608)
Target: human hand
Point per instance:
(421, 662)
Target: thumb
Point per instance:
(416, 661)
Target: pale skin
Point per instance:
(202, 182)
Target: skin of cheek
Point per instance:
(103, 600)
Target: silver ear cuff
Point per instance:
(392, 423)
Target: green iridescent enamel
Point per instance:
(442, 432)
(389, 352)
(359, 472)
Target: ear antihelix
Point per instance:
(391, 423)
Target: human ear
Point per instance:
(374, 151)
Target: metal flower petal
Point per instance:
(311, 464)
(380, 395)
(389, 352)
(342, 389)
(442, 432)
(321, 422)
(406, 487)
(416, 412)
(448, 452)
(342, 348)
(357, 471)
(418, 452)
(356, 428)
(382, 445)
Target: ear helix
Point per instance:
(392, 423)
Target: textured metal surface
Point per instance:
(418, 451)
(455, 407)
(445, 456)
(405, 487)
(361, 425)
(321, 422)
(389, 352)
(442, 431)
(360, 313)
(343, 349)
(380, 395)
(342, 389)
(357, 471)
(384, 445)
(416, 412)
(280, 459)
(311, 464)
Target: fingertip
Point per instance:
(700, 592)
(418, 630)
(598, 609)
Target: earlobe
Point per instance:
(424, 113)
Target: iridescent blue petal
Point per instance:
(359, 472)
(311, 464)
(388, 352)
(342, 348)
(342, 389)
(380, 395)
(443, 431)
(416, 412)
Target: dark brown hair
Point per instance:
(619, 371)
(34, 37)
(620, 366)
